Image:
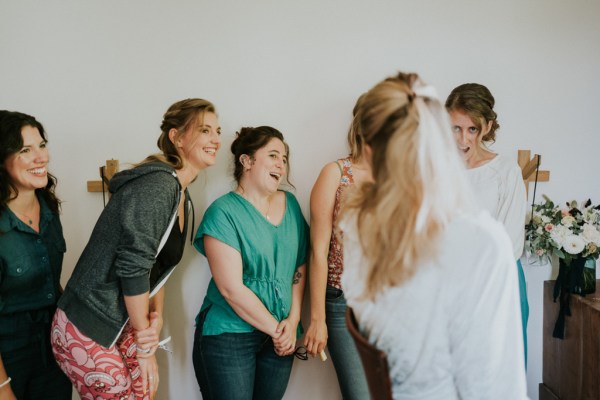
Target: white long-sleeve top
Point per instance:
(499, 188)
(449, 331)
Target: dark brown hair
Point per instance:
(11, 142)
(248, 140)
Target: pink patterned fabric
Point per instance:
(335, 258)
(97, 372)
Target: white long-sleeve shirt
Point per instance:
(499, 188)
(449, 331)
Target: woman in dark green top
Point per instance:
(31, 253)
(256, 242)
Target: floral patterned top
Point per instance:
(335, 258)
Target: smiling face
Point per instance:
(268, 166)
(468, 137)
(27, 168)
(200, 143)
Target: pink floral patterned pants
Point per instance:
(97, 372)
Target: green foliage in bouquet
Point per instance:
(569, 232)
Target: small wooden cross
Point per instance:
(106, 173)
(528, 167)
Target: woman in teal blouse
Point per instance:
(256, 241)
(31, 253)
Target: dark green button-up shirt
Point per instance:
(30, 266)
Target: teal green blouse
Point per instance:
(30, 267)
(270, 255)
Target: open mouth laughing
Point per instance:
(37, 171)
(210, 150)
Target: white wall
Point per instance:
(100, 74)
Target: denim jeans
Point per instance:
(35, 375)
(239, 366)
(345, 357)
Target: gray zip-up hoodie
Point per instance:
(122, 250)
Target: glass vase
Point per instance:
(579, 275)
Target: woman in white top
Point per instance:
(430, 277)
(496, 180)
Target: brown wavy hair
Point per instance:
(11, 142)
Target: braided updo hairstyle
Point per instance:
(180, 116)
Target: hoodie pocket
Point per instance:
(108, 299)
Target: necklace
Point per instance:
(27, 217)
(240, 190)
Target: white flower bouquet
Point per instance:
(568, 233)
(572, 234)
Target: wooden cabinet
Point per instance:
(571, 367)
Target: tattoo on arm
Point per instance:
(297, 277)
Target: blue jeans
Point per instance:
(239, 366)
(345, 357)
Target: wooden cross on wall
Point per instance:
(106, 172)
(528, 168)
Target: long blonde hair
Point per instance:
(354, 138)
(418, 179)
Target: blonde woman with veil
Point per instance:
(429, 276)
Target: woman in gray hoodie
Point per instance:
(106, 328)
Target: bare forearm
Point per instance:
(318, 287)
(138, 308)
(298, 292)
(3, 374)
(156, 309)
(157, 301)
(249, 307)
(6, 390)
(286, 343)
(226, 267)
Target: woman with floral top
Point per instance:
(328, 305)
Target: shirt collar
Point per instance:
(9, 221)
